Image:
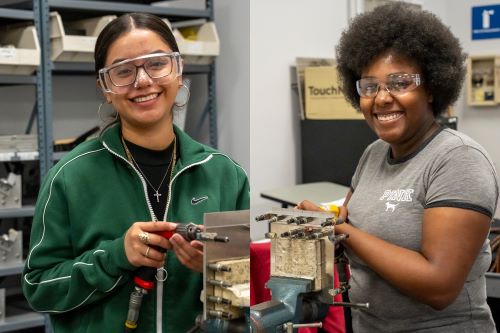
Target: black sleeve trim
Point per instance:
(458, 204)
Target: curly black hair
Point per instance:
(412, 33)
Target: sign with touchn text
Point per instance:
(323, 96)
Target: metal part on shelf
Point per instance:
(10, 191)
(44, 104)
(11, 247)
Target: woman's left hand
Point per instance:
(308, 205)
(190, 254)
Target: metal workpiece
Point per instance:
(219, 314)
(303, 220)
(264, 217)
(218, 300)
(219, 283)
(290, 327)
(317, 215)
(352, 305)
(321, 234)
(11, 247)
(293, 232)
(301, 234)
(336, 239)
(270, 217)
(270, 235)
(302, 272)
(10, 191)
(218, 267)
(134, 308)
(191, 231)
(340, 290)
(226, 295)
(211, 236)
(276, 218)
(332, 221)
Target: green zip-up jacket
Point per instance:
(77, 270)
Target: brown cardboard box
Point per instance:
(323, 98)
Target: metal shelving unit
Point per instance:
(12, 269)
(25, 211)
(24, 320)
(42, 8)
(38, 12)
(118, 7)
(17, 14)
(17, 79)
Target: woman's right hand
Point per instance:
(142, 244)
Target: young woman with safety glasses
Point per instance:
(423, 196)
(100, 206)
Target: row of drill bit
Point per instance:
(271, 218)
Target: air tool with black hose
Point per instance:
(145, 277)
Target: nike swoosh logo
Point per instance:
(196, 201)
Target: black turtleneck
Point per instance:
(153, 165)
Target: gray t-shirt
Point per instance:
(388, 201)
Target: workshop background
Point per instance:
(64, 105)
(313, 29)
(288, 149)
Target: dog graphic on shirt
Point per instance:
(391, 206)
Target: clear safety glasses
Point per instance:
(161, 67)
(396, 84)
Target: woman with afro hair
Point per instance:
(422, 197)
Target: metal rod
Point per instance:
(352, 305)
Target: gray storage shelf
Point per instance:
(120, 7)
(24, 211)
(17, 79)
(19, 156)
(11, 269)
(493, 285)
(22, 321)
(18, 14)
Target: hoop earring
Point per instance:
(99, 114)
(182, 96)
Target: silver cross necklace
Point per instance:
(171, 164)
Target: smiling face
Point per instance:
(404, 121)
(147, 103)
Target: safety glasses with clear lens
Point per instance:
(396, 84)
(160, 67)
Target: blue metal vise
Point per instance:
(294, 305)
